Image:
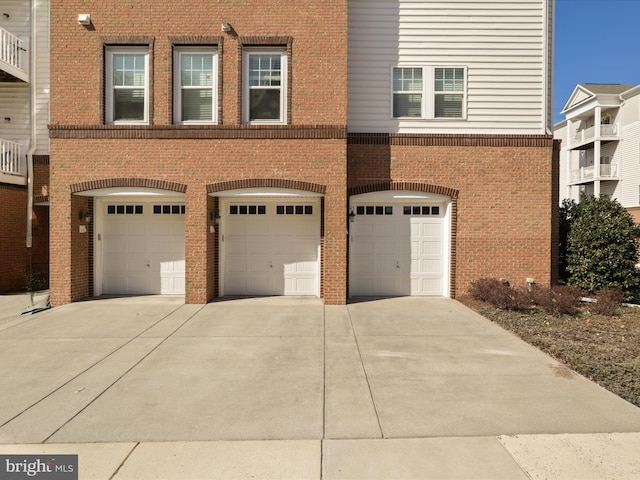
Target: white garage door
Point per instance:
(143, 248)
(398, 248)
(271, 248)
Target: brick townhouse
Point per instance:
(328, 148)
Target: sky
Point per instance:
(596, 41)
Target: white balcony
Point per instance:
(587, 174)
(13, 56)
(12, 163)
(583, 137)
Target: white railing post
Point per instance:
(11, 50)
(10, 158)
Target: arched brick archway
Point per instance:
(84, 195)
(266, 183)
(408, 186)
(425, 188)
(128, 182)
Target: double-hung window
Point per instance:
(449, 92)
(195, 93)
(428, 92)
(127, 85)
(265, 86)
(407, 92)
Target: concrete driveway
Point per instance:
(281, 387)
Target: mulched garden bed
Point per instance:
(604, 349)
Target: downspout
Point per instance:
(32, 140)
(548, 55)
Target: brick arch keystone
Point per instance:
(266, 183)
(128, 182)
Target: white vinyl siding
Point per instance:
(127, 95)
(196, 89)
(502, 43)
(15, 97)
(41, 76)
(627, 155)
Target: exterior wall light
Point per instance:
(85, 215)
(84, 19)
(226, 27)
(352, 215)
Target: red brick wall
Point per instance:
(13, 226)
(504, 209)
(316, 33)
(195, 164)
(505, 201)
(319, 52)
(16, 259)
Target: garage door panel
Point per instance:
(136, 245)
(235, 229)
(427, 247)
(114, 263)
(236, 264)
(115, 244)
(402, 253)
(236, 245)
(279, 250)
(257, 245)
(143, 253)
(136, 263)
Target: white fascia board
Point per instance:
(632, 92)
(579, 89)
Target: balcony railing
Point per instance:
(13, 55)
(10, 158)
(607, 132)
(607, 172)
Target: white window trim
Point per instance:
(177, 84)
(109, 87)
(428, 107)
(283, 84)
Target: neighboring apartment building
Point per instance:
(326, 148)
(24, 141)
(601, 144)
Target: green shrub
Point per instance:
(602, 247)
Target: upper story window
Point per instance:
(127, 85)
(264, 86)
(195, 83)
(407, 92)
(426, 92)
(449, 92)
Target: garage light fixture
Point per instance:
(352, 215)
(84, 215)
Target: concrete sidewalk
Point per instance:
(148, 387)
